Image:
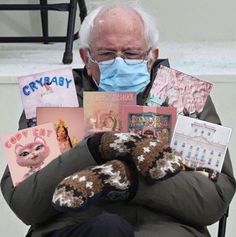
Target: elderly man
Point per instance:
(118, 45)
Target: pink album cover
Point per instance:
(201, 143)
(186, 93)
(157, 122)
(102, 110)
(54, 88)
(29, 150)
(68, 123)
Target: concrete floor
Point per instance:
(18, 59)
(216, 58)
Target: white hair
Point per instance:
(150, 30)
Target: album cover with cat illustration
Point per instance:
(177, 89)
(54, 88)
(68, 122)
(29, 150)
(201, 143)
(156, 122)
(102, 110)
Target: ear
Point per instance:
(154, 54)
(84, 55)
(18, 147)
(85, 58)
(40, 140)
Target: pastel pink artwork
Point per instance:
(32, 155)
(180, 90)
(48, 97)
(68, 122)
(102, 110)
(54, 88)
(29, 150)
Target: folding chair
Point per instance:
(44, 7)
(222, 224)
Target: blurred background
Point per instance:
(198, 37)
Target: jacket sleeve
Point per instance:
(190, 196)
(31, 199)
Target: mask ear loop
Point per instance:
(90, 58)
(150, 59)
(150, 56)
(95, 82)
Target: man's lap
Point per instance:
(165, 229)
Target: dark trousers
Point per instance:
(104, 225)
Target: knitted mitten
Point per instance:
(112, 180)
(153, 160)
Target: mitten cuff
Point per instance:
(93, 146)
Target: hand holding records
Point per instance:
(197, 140)
(103, 110)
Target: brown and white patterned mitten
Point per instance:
(152, 158)
(210, 173)
(112, 180)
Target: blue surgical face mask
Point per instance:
(123, 77)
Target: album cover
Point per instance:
(29, 150)
(157, 122)
(54, 88)
(174, 88)
(102, 110)
(201, 143)
(68, 123)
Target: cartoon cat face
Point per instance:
(32, 154)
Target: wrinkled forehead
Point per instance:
(118, 22)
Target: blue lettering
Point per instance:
(33, 86)
(26, 91)
(61, 81)
(40, 81)
(46, 80)
(54, 79)
(68, 82)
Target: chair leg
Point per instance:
(68, 55)
(83, 10)
(44, 21)
(222, 224)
